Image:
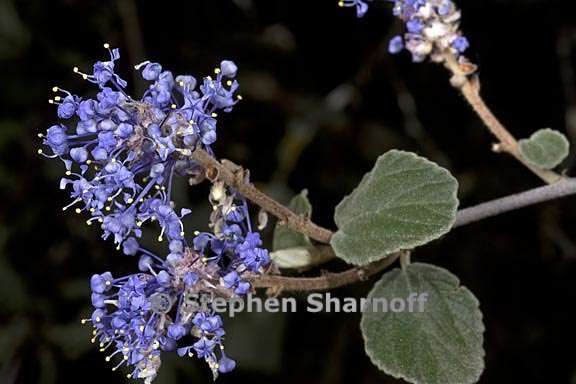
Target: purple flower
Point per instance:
(151, 71)
(190, 278)
(228, 68)
(242, 288)
(226, 364)
(57, 139)
(461, 44)
(98, 300)
(414, 26)
(204, 347)
(107, 98)
(396, 44)
(67, 108)
(254, 259)
(103, 71)
(99, 154)
(231, 279)
(86, 109)
(176, 331)
(130, 246)
(163, 278)
(101, 283)
(79, 155)
(107, 141)
(124, 130)
(207, 323)
(360, 5)
(145, 263)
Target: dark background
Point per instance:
(322, 100)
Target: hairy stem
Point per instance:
(236, 177)
(470, 89)
(520, 200)
(329, 280)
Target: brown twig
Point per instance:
(327, 281)
(470, 89)
(236, 177)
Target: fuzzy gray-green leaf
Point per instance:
(403, 202)
(441, 344)
(546, 148)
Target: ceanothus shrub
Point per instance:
(122, 154)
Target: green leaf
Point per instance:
(403, 202)
(441, 344)
(285, 237)
(546, 148)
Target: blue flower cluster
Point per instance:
(140, 315)
(432, 28)
(121, 156)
